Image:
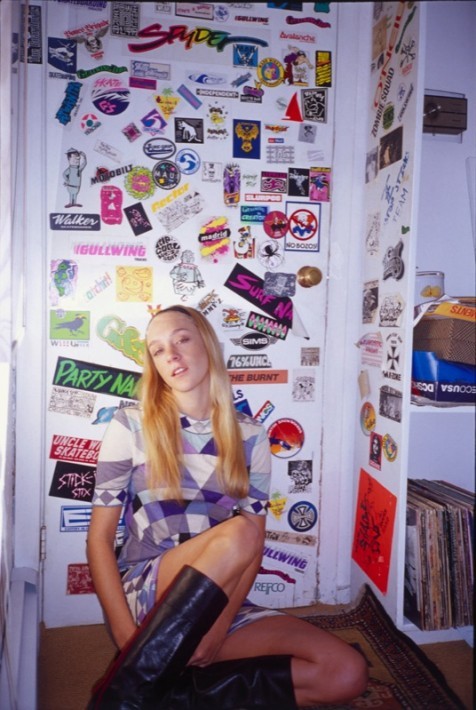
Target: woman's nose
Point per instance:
(171, 352)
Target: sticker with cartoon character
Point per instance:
(72, 175)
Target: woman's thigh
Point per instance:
(283, 634)
(203, 553)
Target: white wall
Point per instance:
(445, 238)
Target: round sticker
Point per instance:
(302, 516)
(188, 161)
(367, 418)
(303, 225)
(139, 183)
(275, 224)
(270, 254)
(167, 248)
(270, 72)
(389, 447)
(159, 148)
(286, 438)
(166, 174)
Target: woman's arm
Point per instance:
(105, 572)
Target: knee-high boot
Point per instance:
(163, 644)
(260, 683)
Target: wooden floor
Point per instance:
(73, 658)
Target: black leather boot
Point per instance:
(261, 683)
(163, 644)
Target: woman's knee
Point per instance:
(240, 538)
(351, 680)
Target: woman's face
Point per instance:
(179, 355)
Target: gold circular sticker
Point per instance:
(308, 276)
(367, 418)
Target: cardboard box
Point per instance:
(441, 382)
(449, 331)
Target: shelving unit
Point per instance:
(433, 442)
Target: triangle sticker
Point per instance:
(293, 111)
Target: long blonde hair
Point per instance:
(161, 421)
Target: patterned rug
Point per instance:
(401, 676)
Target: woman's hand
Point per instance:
(209, 646)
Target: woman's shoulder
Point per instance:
(248, 425)
(129, 416)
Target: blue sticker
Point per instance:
(302, 516)
(62, 54)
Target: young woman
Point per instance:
(194, 475)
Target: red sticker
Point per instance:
(286, 438)
(275, 224)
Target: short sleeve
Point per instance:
(115, 462)
(258, 458)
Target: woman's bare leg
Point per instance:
(325, 669)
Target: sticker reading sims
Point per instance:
(286, 438)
